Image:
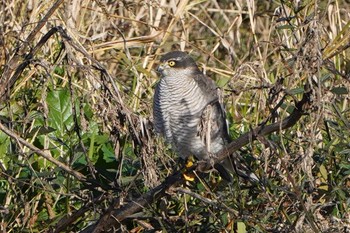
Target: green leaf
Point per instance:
(40, 130)
(4, 144)
(325, 77)
(60, 110)
(59, 71)
(283, 27)
(92, 142)
(221, 82)
(323, 172)
(241, 228)
(296, 91)
(340, 90)
(108, 154)
(346, 167)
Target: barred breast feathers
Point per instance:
(161, 113)
(189, 113)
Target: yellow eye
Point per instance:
(171, 63)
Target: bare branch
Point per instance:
(114, 217)
(15, 64)
(43, 154)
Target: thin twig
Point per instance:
(43, 154)
(175, 180)
(7, 80)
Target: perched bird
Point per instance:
(189, 114)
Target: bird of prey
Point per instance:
(189, 114)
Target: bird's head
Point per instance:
(176, 63)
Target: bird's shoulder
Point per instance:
(206, 84)
(215, 105)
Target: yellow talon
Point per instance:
(189, 177)
(189, 163)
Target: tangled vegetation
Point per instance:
(78, 152)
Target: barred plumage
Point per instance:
(187, 109)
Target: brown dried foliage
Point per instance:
(284, 69)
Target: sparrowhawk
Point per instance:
(188, 112)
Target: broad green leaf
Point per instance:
(60, 110)
(241, 228)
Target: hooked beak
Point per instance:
(160, 68)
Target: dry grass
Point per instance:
(84, 99)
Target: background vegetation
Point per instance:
(77, 140)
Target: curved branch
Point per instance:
(113, 217)
(42, 153)
(263, 130)
(15, 66)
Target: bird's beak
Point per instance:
(160, 68)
